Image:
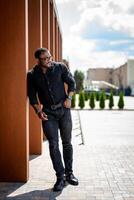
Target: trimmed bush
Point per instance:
(81, 100)
(73, 101)
(102, 100)
(97, 96)
(111, 100)
(86, 96)
(92, 101)
(121, 101)
(104, 93)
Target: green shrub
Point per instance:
(81, 100)
(97, 96)
(102, 100)
(104, 93)
(121, 101)
(86, 96)
(92, 101)
(111, 100)
(73, 102)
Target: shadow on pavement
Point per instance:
(8, 192)
(47, 194)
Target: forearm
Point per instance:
(37, 108)
(70, 93)
(39, 112)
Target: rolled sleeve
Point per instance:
(68, 78)
(31, 90)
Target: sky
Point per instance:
(96, 33)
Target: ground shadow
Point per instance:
(7, 190)
(32, 157)
(46, 194)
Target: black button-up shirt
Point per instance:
(49, 87)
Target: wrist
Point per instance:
(38, 111)
(69, 97)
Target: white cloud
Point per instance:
(62, 1)
(118, 42)
(90, 4)
(120, 6)
(98, 59)
(78, 47)
(131, 48)
(82, 54)
(106, 15)
(124, 5)
(81, 17)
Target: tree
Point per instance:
(79, 78)
(102, 100)
(92, 101)
(81, 100)
(121, 101)
(73, 101)
(111, 100)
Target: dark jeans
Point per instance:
(59, 119)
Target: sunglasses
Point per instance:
(47, 58)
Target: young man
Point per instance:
(46, 80)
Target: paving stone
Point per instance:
(104, 165)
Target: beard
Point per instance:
(45, 65)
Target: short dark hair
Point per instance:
(39, 51)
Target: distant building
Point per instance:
(130, 74)
(102, 78)
(119, 76)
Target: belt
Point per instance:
(55, 106)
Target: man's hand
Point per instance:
(67, 103)
(39, 112)
(42, 116)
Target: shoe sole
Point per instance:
(57, 190)
(72, 183)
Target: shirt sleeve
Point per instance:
(31, 89)
(68, 78)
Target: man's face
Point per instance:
(45, 59)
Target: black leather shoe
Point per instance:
(59, 185)
(70, 178)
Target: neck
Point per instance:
(44, 69)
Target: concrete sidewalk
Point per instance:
(104, 164)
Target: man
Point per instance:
(46, 80)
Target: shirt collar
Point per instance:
(38, 68)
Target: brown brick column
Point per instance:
(56, 39)
(59, 58)
(46, 23)
(52, 30)
(14, 152)
(35, 41)
(60, 44)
